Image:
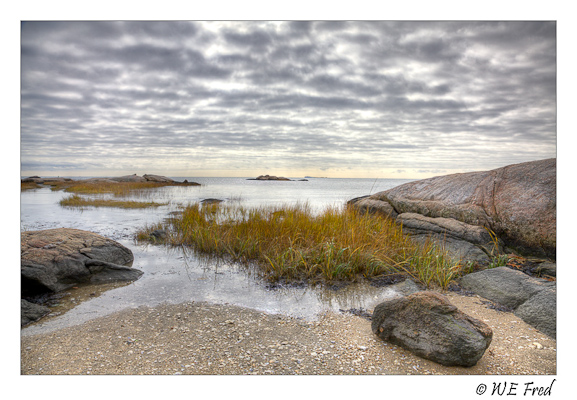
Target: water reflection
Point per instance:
(172, 275)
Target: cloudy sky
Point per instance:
(384, 99)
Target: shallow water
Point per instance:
(172, 276)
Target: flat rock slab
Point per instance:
(504, 285)
(533, 299)
(428, 325)
(57, 259)
(461, 240)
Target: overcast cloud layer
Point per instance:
(363, 99)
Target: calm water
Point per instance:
(172, 276)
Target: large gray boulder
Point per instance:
(516, 202)
(57, 259)
(427, 324)
(532, 299)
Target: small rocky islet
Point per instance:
(476, 216)
(274, 178)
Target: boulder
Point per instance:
(516, 202)
(30, 312)
(532, 299)
(57, 259)
(504, 285)
(428, 325)
(540, 311)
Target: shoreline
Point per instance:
(200, 338)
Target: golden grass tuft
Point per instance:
(81, 202)
(28, 185)
(293, 243)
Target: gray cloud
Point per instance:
(332, 95)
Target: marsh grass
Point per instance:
(497, 258)
(294, 243)
(28, 185)
(82, 202)
(115, 188)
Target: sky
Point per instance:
(365, 99)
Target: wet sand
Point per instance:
(199, 338)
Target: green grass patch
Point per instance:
(294, 243)
(81, 202)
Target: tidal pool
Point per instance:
(173, 275)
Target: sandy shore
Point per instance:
(201, 338)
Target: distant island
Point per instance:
(272, 178)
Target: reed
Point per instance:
(82, 202)
(294, 243)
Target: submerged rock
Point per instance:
(158, 235)
(428, 325)
(211, 201)
(30, 312)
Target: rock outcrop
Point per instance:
(57, 259)
(129, 178)
(157, 178)
(517, 203)
(125, 178)
(427, 324)
(533, 300)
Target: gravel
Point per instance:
(211, 339)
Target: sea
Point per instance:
(176, 275)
